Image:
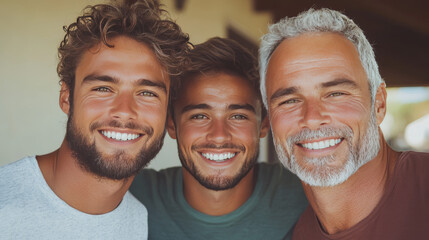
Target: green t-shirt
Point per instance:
(270, 213)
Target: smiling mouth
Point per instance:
(321, 144)
(120, 136)
(219, 157)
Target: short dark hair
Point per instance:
(141, 20)
(219, 55)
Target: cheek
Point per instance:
(89, 109)
(282, 121)
(246, 135)
(155, 116)
(353, 110)
(188, 134)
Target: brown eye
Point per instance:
(148, 94)
(289, 101)
(198, 116)
(102, 89)
(239, 117)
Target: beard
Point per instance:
(217, 182)
(317, 171)
(117, 166)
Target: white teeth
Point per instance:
(218, 157)
(120, 136)
(322, 144)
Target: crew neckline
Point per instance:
(365, 221)
(61, 205)
(235, 215)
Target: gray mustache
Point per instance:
(323, 132)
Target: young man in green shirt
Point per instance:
(220, 192)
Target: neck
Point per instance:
(342, 206)
(79, 188)
(217, 203)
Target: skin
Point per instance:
(315, 80)
(99, 99)
(204, 114)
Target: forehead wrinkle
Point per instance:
(314, 63)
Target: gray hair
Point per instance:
(316, 21)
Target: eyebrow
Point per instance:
(339, 81)
(103, 78)
(291, 90)
(195, 106)
(242, 106)
(283, 92)
(157, 84)
(140, 82)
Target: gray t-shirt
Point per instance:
(270, 213)
(29, 209)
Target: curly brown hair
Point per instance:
(141, 20)
(219, 55)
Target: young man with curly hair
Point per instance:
(115, 66)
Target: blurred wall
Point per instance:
(31, 121)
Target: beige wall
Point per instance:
(31, 121)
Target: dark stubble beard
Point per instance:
(117, 166)
(218, 182)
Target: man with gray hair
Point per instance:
(326, 100)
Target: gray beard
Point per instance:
(320, 173)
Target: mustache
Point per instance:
(217, 146)
(323, 132)
(129, 125)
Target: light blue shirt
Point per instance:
(29, 209)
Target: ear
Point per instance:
(171, 128)
(265, 126)
(65, 98)
(380, 103)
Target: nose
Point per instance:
(314, 115)
(218, 132)
(124, 107)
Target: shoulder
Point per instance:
(134, 206)
(150, 184)
(413, 161)
(19, 187)
(21, 165)
(17, 173)
(276, 173)
(414, 164)
(417, 157)
(283, 187)
(151, 177)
